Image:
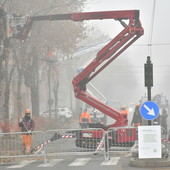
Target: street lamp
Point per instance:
(49, 61)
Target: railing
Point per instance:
(73, 141)
(11, 145)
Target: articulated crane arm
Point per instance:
(131, 32)
(105, 56)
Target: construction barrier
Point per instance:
(11, 145)
(122, 138)
(73, 141)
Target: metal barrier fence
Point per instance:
(164, 141)
(64, 141)
(11, 145)
(91, 141)
(119, 140)
(73, 141)
(123, 138)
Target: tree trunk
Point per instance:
(19, 97)
(35, 100)
(34, 87)
(55, 90)
(31, 81)
(7, 88)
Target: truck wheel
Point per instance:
(78, 143)
(132, 143)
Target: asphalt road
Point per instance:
(80, 162)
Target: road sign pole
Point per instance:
(149, 99)
(148, 79)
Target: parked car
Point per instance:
(62, 114)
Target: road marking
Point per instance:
(112, 161)
(76, 162)
(51, 163)
(22, 164)
(128, 155)
(80, 162)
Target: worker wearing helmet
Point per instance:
(84, 119)
(124, 112)
(27, 125)
(137, 118)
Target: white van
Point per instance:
(63, 114)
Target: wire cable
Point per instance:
(151, 29)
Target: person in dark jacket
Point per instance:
(27, 125)
(164, 119)
(137, 118)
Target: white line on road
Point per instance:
(128, 155)
(80, 162)
(112, 161)
(51, 163)
(22, 164)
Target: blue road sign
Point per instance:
(149, 110)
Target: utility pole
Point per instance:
(49, 60)
(148, 79)
(49, 86)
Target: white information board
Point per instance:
(149, 140)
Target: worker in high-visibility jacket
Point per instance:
(85, 119)
(27, 125)
(124, 112)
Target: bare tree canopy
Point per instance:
(20, 61)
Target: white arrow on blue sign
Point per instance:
(149, 110)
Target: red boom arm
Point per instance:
(105, 56)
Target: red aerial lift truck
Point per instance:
(132, 30)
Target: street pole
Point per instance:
(148, 79)
(149, 99)
(50, 61)
(49, 87)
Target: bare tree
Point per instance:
(25, 57)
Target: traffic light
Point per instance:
(148, 73)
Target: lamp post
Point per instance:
(49, 61)
(49, 87)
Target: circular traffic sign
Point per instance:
(149, 110)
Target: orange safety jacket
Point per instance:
(125, 112)
(85, 115)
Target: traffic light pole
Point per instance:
(149, 79)
(149, 99)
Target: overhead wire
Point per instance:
(151, 30)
